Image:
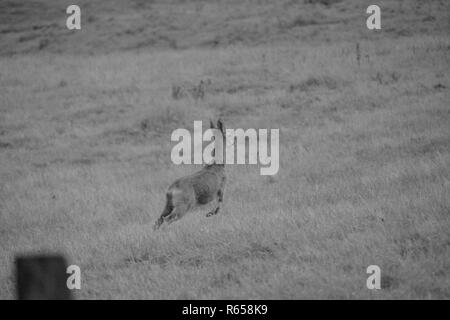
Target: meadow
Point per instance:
(364, 173)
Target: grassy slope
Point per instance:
(365, 156)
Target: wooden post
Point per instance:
(42, 277)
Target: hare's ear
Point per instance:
(211, 124)
(220, 126)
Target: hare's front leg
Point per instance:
(219, 203)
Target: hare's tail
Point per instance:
(167, 210)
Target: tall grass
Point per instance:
(364, 174)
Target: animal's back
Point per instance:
(205, 184)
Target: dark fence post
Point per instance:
(42, 277)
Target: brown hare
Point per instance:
(198, 189)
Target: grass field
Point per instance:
(364, 154)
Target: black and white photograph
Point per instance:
(224, 150)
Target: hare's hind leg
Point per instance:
(219, 203)
(177, 213)
(161, 219)
(167, 211)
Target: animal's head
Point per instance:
(219, 126)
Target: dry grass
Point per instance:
(364, 175)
